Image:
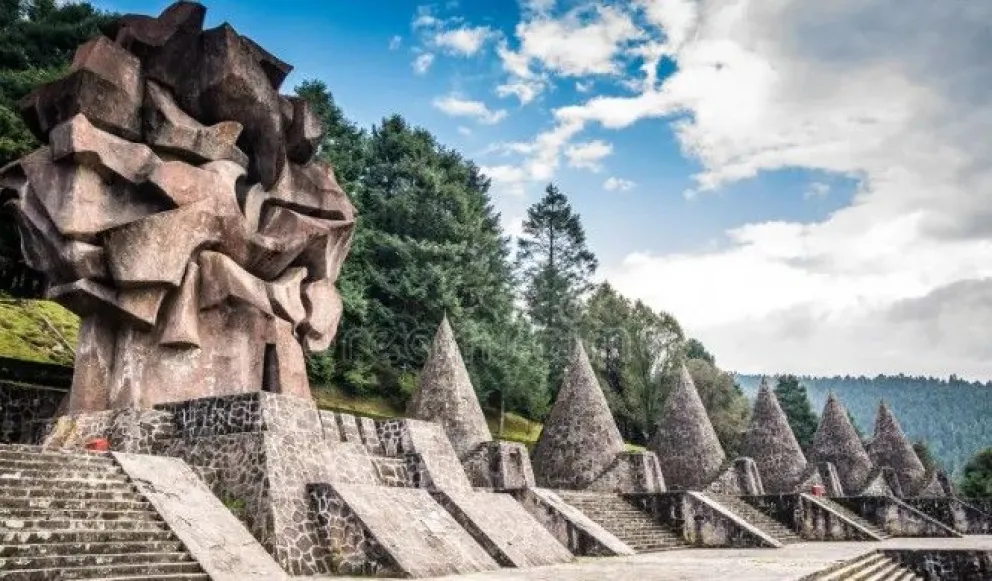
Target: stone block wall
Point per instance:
(499, 466)
(938, 565)
(23, 406)
(960, 516)
(895, 517)
(262, 449)
(811, 520)
(698, 522)
(631, 472)
(738, 478)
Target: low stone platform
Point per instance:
(789, 563)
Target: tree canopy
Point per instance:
(795, 403)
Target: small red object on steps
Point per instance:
(818, 490)
(98, 445)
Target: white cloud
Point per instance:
(583, 87)
(464, 130)
(423, 63)
(508, 179)
(817, 190)
(614, 184)
(588, 155)
(897, 96)
(457, 107)
(395, 42)
(585, 41)
(465, 41)
(524, 91)
(852, 88)
(424, 18)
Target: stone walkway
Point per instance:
(787, 564)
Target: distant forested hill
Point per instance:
(953, 416)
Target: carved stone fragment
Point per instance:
(104, 83)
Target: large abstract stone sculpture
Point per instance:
(687, 446)
(177, 208)
(770, 442)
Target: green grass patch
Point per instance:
(37, 331)
(335, 399)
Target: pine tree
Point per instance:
(694, 349)
(795, 403)
(976, 481)
(555, 267)
(925, 455)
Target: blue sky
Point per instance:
(785, 176)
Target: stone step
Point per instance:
(33, 453)
(88, 548)
(757, 519)
(141, 570)
(59, 473)
(71, 484)
(178, 577)
(8, 494)
(48, 503)
(854, 568)
(634, 527)
(13, 537)
(7, 512)
(80, 525)
(91, 559)
(878, 571)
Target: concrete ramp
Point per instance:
(501, 525)
(404, 529)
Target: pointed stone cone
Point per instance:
(686, 444)
(891, 448)
(580, 439)
(837, 442)
(446, 395)
(769, 440)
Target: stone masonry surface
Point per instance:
(688, 449)
(215, 538)
(445, 395)
(770, 442)
(580, 439)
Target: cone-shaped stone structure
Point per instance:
(688, 449)
(580, 439)
(770, 442)
(891, 448)
(446, 395)
(837, 442)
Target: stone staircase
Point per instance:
(77, 516)
(636, 528)
(852, 516)
(756, 518)
(873, 566)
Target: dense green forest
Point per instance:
(951, 415)
(429, 242)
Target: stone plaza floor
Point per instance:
(789, 563)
